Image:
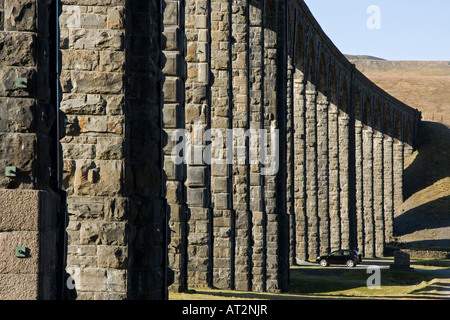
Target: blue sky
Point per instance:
(397, 29)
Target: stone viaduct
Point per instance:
(95, 203)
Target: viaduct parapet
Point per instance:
(207, 143)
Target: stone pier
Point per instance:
(207, 143)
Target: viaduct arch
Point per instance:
(135, 78)
(342, 143)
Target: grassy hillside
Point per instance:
(424, 218)
(423, 85)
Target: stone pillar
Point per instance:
(29, 151)
(378, 193)
(323, 176)
(174, 124)
(299, 167)
(198, 121)
(257, 205)
(31, 267)
(272, 77)
(239, 65)
(269, 183)
(398, 174)
(334, 183)
(359, 185)
(290, 146)
(221, 175)
(344, 201)
(113, 153)
(388, 188)
(311, 173)
(369, 231)
(28, 242)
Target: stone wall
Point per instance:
(113, 165)
(174, 118)
(228, 215)
(30, 266)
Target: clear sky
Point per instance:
(388, 29)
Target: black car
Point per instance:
(348, 257)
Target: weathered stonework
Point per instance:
(174, 118)
(112, 95)
(246, 69)
(31, 264)
(134, 75)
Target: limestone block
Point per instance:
(173, 90)
(112, 256)
(220, 170)
(174, 65)
(197, 176)
(20, 15)
(21, 209)
(17, 150)
(116, 209)
(94, 2)
(12, 54)
(9, 263)
(174, 39)
(78, 151)
(174, 193)
(98, 178)
(95, 39)
(107, 233)
(203, 73)
(17, 115)
(173, 115)
(18, 286)
(92, 279)
(97, 82)
(198, 197)
(2, 14)
(219, 184)
(116, 17)
(111, 61)
(172, 14)
(98, 124)
(92, 21)
(80, 60)
(172, 170)
(222, 201)
(81, 208)
(11, 86)
(109, 148)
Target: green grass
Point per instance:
(314, 282)
(353, 282)
(431, 263)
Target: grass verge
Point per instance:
(427, 280)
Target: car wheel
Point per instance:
(324, 263)
(350, 263)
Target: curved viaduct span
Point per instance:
(342, 140)
(292, 152)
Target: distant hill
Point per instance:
(353, 57)
(423, 85)
(424, 217)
